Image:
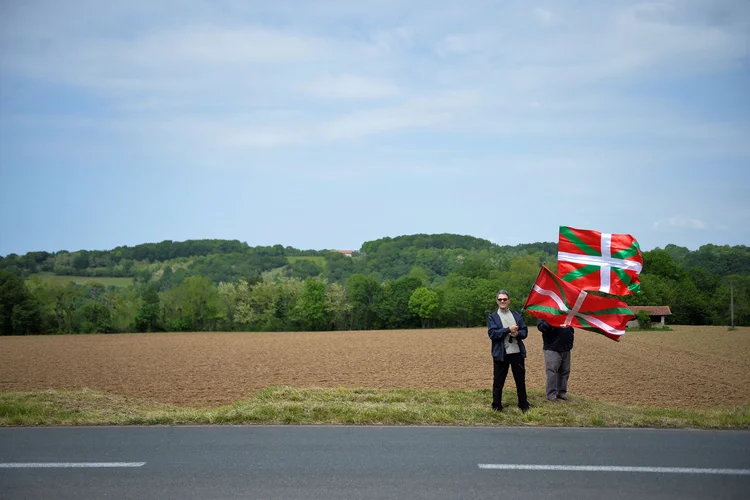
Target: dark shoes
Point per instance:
(559, 399)
(523, 409)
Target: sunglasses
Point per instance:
(503, 300)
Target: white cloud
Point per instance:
(415, 113)
(340, 71)
(680, 222)
(167, 60)
(361, 123)
(393, 40)
(544, 16)
(220, 45)
(464, 43)
(350, 87)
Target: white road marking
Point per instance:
(52, 465)
(617, 468)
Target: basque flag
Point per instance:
(591, 260)
(559, 302)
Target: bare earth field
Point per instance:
(690, 367)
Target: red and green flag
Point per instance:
(559, 302)
(591, 260)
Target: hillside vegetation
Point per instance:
(439, 280)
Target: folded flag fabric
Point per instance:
(591, 260)
(559, 302)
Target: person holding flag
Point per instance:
(507, 330)
(557, 344)
(561, 303)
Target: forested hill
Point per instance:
(227, 260)
(403, 282)
(437, 255)
(450, 241)
(714, 259)
(423, 241)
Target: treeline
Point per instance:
(221, 259)
(388, 258)
(406, 282)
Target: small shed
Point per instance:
(347, 253)
(657, 314)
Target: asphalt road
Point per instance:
(332, 462)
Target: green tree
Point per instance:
(165, 281)
(192, 305)
(644, 320)
(304, 269)
(523, 273)
(142, 276)
(424, 303)
(81, 260)
(45, 296)
(256, 305)
(466, 301)
(20, 313)
(267, 306)
(338, 306)
(737, 288)
(660, 263)
(458, 301)
(229, 302)
(421, 274)
(125, 303)
(96, 318)
(67, 303)
(364, 292)
(393, 308)
(287, 292)
(475, 267)
(148, 317)
(310, 310)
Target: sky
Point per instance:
(325, 124)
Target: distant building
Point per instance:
(347, 253)
(657, 314)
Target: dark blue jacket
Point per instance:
(497, 332)
(556, 339)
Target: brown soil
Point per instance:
(691, 367)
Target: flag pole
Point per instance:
(731, 302)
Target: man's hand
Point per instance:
(513, 330)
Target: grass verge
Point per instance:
(351, 406)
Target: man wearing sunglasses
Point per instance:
(507, 330)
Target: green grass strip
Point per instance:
(352, 406)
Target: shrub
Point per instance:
(644, 320)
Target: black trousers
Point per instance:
(499, 373)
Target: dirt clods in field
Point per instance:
(690, 367)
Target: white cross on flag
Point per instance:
(591, 260)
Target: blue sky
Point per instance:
(325, 124)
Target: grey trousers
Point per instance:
(557, 366)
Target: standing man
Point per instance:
(507, 330)
(557, 345)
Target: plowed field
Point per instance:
(690, 367)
